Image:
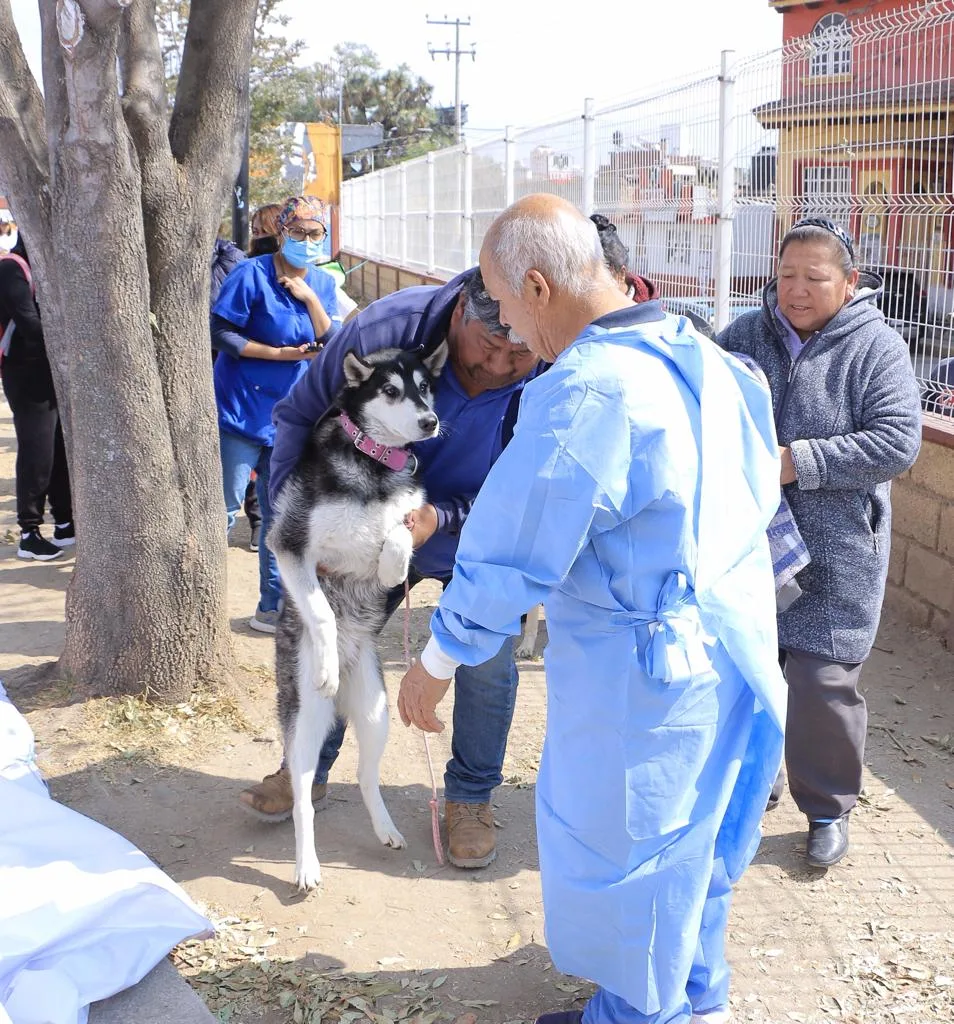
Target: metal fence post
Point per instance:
(722, 250)
(382, 216)
(430, 213)
(468, 219)
(510, 160)
(589, 155)
(403, 208)
(344, 217)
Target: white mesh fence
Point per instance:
(657, 179)
(703, 177)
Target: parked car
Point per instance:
(696, 309)
(700, 309)
(747, 304)
(937, 389)
(903, 302)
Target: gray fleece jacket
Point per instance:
(850, 410)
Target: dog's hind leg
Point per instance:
(301, 583)
(528, 642)
(368, 713)
(308, 729)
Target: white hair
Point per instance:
(564, 248)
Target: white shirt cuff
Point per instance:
(436, 662)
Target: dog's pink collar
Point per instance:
(393, 458)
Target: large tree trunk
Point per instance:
(121, 256)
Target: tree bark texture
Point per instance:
(120, 215)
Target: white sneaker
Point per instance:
(264, 622)
(64, 535)
(34, 545)
(713, 1017)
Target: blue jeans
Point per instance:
(484, 698)
(239, 457)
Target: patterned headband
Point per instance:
(301, 208)
(827, 224)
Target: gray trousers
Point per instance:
(824, 735)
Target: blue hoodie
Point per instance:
(473, 430)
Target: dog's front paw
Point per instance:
(392, 567)
(525, 651)
(326, 670)
(308, 873)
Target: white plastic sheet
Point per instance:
(83, 913)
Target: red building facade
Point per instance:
(865, 124)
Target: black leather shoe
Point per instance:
(567, 1017)
(778, 787)
(827, 842)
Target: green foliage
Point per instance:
(353, 83)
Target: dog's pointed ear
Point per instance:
(356, 370)
(435, 361)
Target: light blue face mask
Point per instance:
(301, 254)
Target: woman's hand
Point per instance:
(295, 353)
(298, 288)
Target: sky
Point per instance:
(533, 65)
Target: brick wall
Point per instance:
(921, 571)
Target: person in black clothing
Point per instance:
(41, 470)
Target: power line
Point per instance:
(456, 53)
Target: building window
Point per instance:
(831, 46)
(827, 191)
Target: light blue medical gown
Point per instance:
(633, 502)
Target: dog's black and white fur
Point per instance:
(342, 513)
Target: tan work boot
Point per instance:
(272, 799)
(471, 834)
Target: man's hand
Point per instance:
(789, 476)
(422, 523)
(420, 694)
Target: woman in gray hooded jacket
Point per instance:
(848, 416)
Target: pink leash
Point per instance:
(435, 816)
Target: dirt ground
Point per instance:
(393, 937)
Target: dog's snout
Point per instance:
(427, 421)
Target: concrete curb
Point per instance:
(162, 997)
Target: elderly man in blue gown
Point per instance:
(633, 503)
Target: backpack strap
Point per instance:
(24, 266)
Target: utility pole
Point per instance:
(456, 53)
(240, 210)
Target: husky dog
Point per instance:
(341, 543)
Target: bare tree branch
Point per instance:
(213, 90)
(24, 164)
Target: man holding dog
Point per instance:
(632, 502)
(476, 399)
